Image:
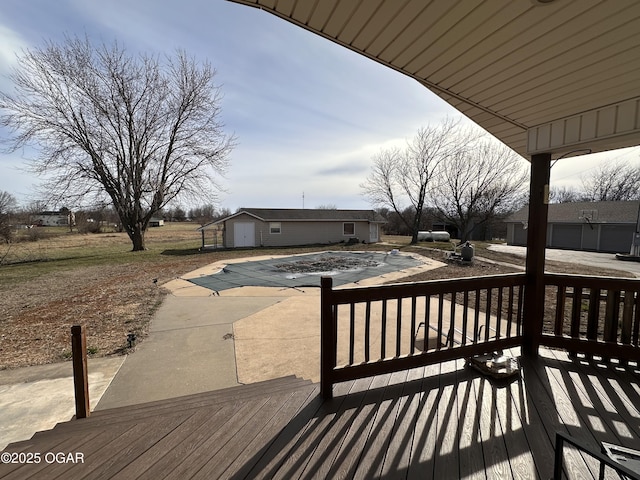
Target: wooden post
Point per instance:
(80, 375)
(327, 339)
(536, 245)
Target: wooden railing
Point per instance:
(368, 331)
(596, 316)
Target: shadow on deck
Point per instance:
(437, 421)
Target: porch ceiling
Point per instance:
(540, 76)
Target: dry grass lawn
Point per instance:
(96, 281)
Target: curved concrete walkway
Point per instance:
(198, 342)
(36, 398)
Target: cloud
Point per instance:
(11, 43)
(309, 114)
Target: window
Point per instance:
(349, 229)
(275, 228)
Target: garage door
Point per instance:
(244, 234)
(519, 234)
(567, 236)
(616, 238)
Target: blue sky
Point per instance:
(308, 114)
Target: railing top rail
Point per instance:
(587, 281)
(417, 289)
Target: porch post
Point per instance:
(536, 244)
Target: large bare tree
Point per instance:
(400, 179)
(109, 126)
(479, 183)
(615, 181)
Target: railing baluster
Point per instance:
(383, 334)
(398, 326)
(487, 325)
(427, 320)
(576, 308)
(561, 297)
(627, 317)
(476, 319)
(520, 309)
(440, 314)
(465, 316)
(352, 332)
(452, 321)
(594, 314)
(636, 321)
(510, 312)
(413, 325)
(367, 332)
(499, 314)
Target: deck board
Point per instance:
(471, 456)
(398, 454)
(438, 421)
(554, 412)
(425, 427)
(446, 463)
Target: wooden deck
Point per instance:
(439, 421)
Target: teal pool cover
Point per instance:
(306, 270)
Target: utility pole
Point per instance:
(303, 200)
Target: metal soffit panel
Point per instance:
(509, 65)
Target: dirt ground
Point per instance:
(110, 301)
(114, 301)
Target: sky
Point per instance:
(308, 115)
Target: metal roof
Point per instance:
(542, 76)
(575, 212)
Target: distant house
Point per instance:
(50, 219)
(269, 227)
(593, 226)
(156, 222)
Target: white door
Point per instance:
(244, 234)
(373, 232)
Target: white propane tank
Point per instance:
(430, 236)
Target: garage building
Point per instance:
(591, 226)
(280, 227)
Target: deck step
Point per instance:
(218, 439)
(216, 417)
(203, 398)
(134, 413)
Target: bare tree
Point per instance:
(203, 214)
(615, 181)
(132, 129)
(8, 204)
(400, 179)
(565, 195)
(478, 184)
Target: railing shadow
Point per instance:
(448, 423)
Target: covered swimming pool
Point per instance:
(306, 270)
